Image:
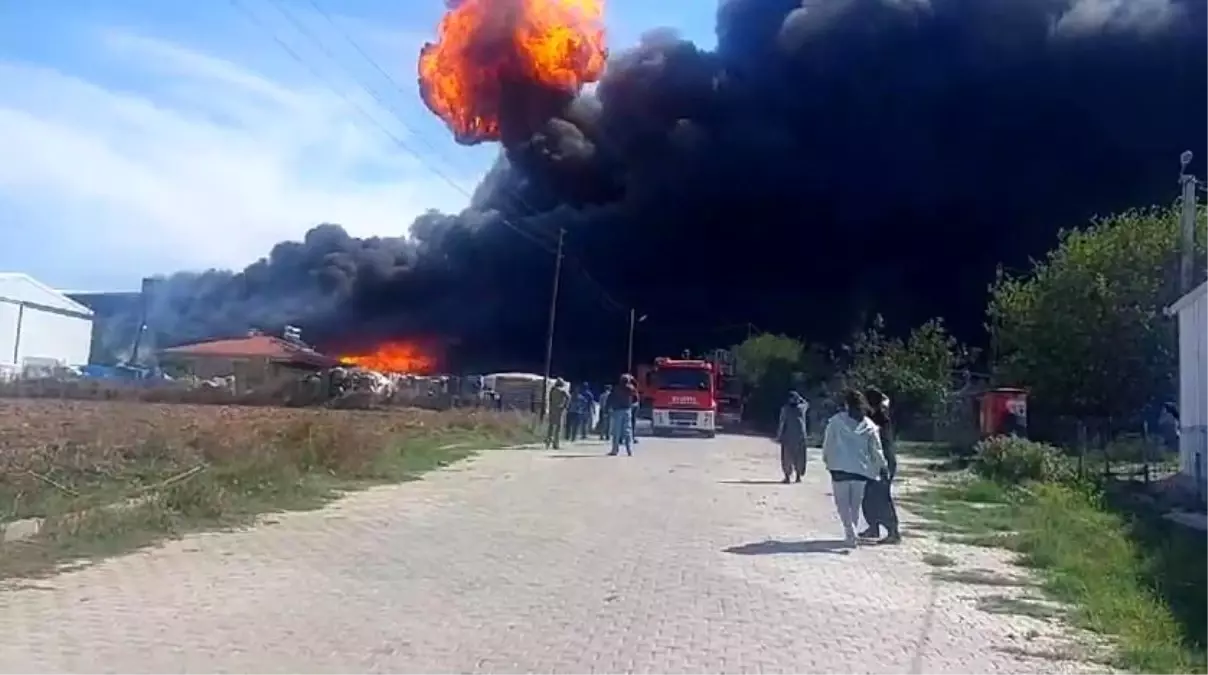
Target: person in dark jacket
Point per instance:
(558, 400)
(621, 402)
(790, 434)
(605, 424)
(878, 507)
(578, 412)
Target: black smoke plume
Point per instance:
(830, 159)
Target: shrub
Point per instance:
(1012, 460)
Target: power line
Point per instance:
(531, 236)
(238, 4)
(608, 299)
(371, 61)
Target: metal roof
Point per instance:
(1191, 296)
(20, 287)
(266, 346)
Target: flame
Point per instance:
(482, 45)
(403, 358)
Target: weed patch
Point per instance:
(110, 477)
(938, 560)
(1087, 557)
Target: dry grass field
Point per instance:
(172, 468)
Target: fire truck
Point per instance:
(699, 395)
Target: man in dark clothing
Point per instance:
(791, 435)
(878, 506)
(621, 402)
(578, 415)
(605, 425)
(574, 413)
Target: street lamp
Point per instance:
(634, 320)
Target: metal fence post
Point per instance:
(1199, 477)
(1082, 441)
(1145, 449)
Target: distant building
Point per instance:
(253, 360)
(1192, 313)
(40, 327)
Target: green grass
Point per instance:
(979, 577)
(927, 449)
(80, 528)
(1006, 604)
(1089, 558)
(938, 560)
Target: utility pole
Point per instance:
(634, 319)
(553, 315)
(1187, 226)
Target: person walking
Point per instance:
(620, 410)
(878, 507)
(559, 398)
(851, 449)
(791, 435)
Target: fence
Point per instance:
(453, 392)
(1135, 449)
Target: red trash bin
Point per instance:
(1004, 411)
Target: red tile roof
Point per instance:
(265, 346)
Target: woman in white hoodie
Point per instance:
(851, 448)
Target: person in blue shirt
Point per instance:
(579, 413)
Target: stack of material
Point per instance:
(516, 391)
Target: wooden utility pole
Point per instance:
(634, 320)
(1187, 226)
(553, 315)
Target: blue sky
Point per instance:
(144, 136)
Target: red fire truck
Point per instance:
(691, 394)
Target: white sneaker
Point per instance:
(850, 539)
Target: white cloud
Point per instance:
(211, 168)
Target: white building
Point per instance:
(1192, 313)
(40, 326)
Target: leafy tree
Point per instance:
(761, 356)
(916, 373)
(1084, 329)
(769, 366)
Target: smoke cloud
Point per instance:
(828, 160)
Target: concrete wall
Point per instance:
(1193, 383)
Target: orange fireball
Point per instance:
(398, 357)
(486, 47)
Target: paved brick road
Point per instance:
(677, 560)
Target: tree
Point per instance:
(1084, 329)
(769, 366)
(916, 373)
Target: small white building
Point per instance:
(1192, 313)
(40, 326)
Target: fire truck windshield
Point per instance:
(681, 379)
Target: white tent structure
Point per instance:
(40, 327)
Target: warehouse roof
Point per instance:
(255, 346)
(17, 287)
